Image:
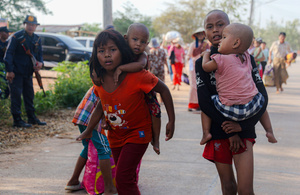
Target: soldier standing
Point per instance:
(4, 33)
(22, 47)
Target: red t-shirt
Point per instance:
(126, 111)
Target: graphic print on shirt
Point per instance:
(257, 76)
(199, 81)
(114, 116)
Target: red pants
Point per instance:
(127, 159)
(177, 72)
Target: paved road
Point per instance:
(44, 167)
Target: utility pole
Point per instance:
(107, 13)
(251, 13)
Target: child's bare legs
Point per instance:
(156, 123)
(244, 168)
(227, 179)
(266, 123)
(109, 187)
(77, 170)
(206, 123)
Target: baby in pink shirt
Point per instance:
(238, 98)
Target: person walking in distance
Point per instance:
(279, 49)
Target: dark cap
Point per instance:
(31, 19)
(282, 33)
(4, 29)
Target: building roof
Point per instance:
(57, 28)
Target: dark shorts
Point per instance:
(218, 150)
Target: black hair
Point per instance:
(282, 33)
(102, 39)
(220, 11)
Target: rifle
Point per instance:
(34, 63)
(37, 74)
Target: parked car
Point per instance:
(57, 48)
(87, 42)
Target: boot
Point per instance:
(18, 122)
(32, 119)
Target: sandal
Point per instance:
(74, 187)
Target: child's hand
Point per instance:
(231, 127)
(105, 125)
(206, 52)
(170, 127)
(116, 75)
(235, 143)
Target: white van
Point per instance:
(87, 42)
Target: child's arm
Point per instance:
(208, 65)
(137, 66)
(94, 120)
(165, 94)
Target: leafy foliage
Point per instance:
(184, 16)
(95, 27)
(46, 103)
(16, 10)
(3, 83)
(131, 15)
(72, 83)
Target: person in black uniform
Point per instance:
(19, 69)
(4, 33)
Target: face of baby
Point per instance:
(137, 39)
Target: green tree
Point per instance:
(16, 10)
(95, 27)
(122, 20)
(185, 16)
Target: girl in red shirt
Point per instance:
(124, 107)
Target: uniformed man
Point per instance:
(23, 45)
(4, 33)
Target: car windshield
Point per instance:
(70, 42)
(91, 43)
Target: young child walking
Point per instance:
(238, 98)
(224, 147)
(137, 37)
(81, 119)
(124, 106)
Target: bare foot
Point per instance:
(84, 135)
(155, 145)
(277, 92)
(205, 138)
(271, 137)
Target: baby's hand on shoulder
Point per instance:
(117, 73)
(204, 53)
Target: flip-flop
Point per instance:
(74, 187)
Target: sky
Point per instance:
(68, 12)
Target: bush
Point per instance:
(46, 103)
(72, 83)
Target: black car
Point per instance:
(58, 48)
